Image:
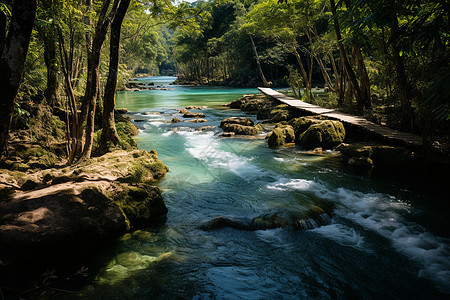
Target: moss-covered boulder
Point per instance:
(301, 124)
(193, 115)
(361, 163)
(90, 202)
(326, 134)
(282, 112)
(382, 156)
(242, 129)
(281, 135)
(253, 103)
(237, 120)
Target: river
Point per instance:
(382, 242)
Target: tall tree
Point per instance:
(12, 59)
(92, 83)
(109, 132)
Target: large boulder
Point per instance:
(93, 201)
(237, 120)
(301, 124)
(252, 103)
(381, 155)
(282, 112)
(242, 129)
(326, 134)
(193, 115)
(281, 135)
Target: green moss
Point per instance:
(158, 169)
(137, 173)
(327, 134)
(141, 204)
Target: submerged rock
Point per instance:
(175, 120)
(306, 220)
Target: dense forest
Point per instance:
(386, 59)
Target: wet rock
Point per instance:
(301, 124)
(227, 134)
(207, 128)
(281, 135)
(237, 120)
(382, 156)
(197, 121)
(326, 134)
(194, 107)
(175, 120)
(183, 111)
(242, 129)
(361, 163)
(282, 112)
(193, 115)
(308, 219)
(150, 113)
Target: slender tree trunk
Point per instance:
(51, 64)
(109, 132)
(345, 60)
(302, 70)
(90, 97)
(12, 60)
(402, 80)
(363, 77)
(263, 78)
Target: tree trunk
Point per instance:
(52, 67)
(263, 78)
(90, 96)
(109, 132)
(363, 77)
(12, 60)
(402, 80)
(344, 57)
(303, 71)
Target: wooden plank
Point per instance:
(405, 138)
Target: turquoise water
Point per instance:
(380, 242)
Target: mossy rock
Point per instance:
(237, 120)
(281, 135)
(361, 163)
(356, 150)
(301, 124)
(327, 134)
(141, 204)
(282, 112)
(385, 156)
(242, 130)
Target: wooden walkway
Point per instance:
(394, 136)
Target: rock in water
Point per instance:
(309, 219)
(193, 115)
(281, 135)
(237, 120)
(326, 134)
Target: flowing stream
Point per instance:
(383, 240)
